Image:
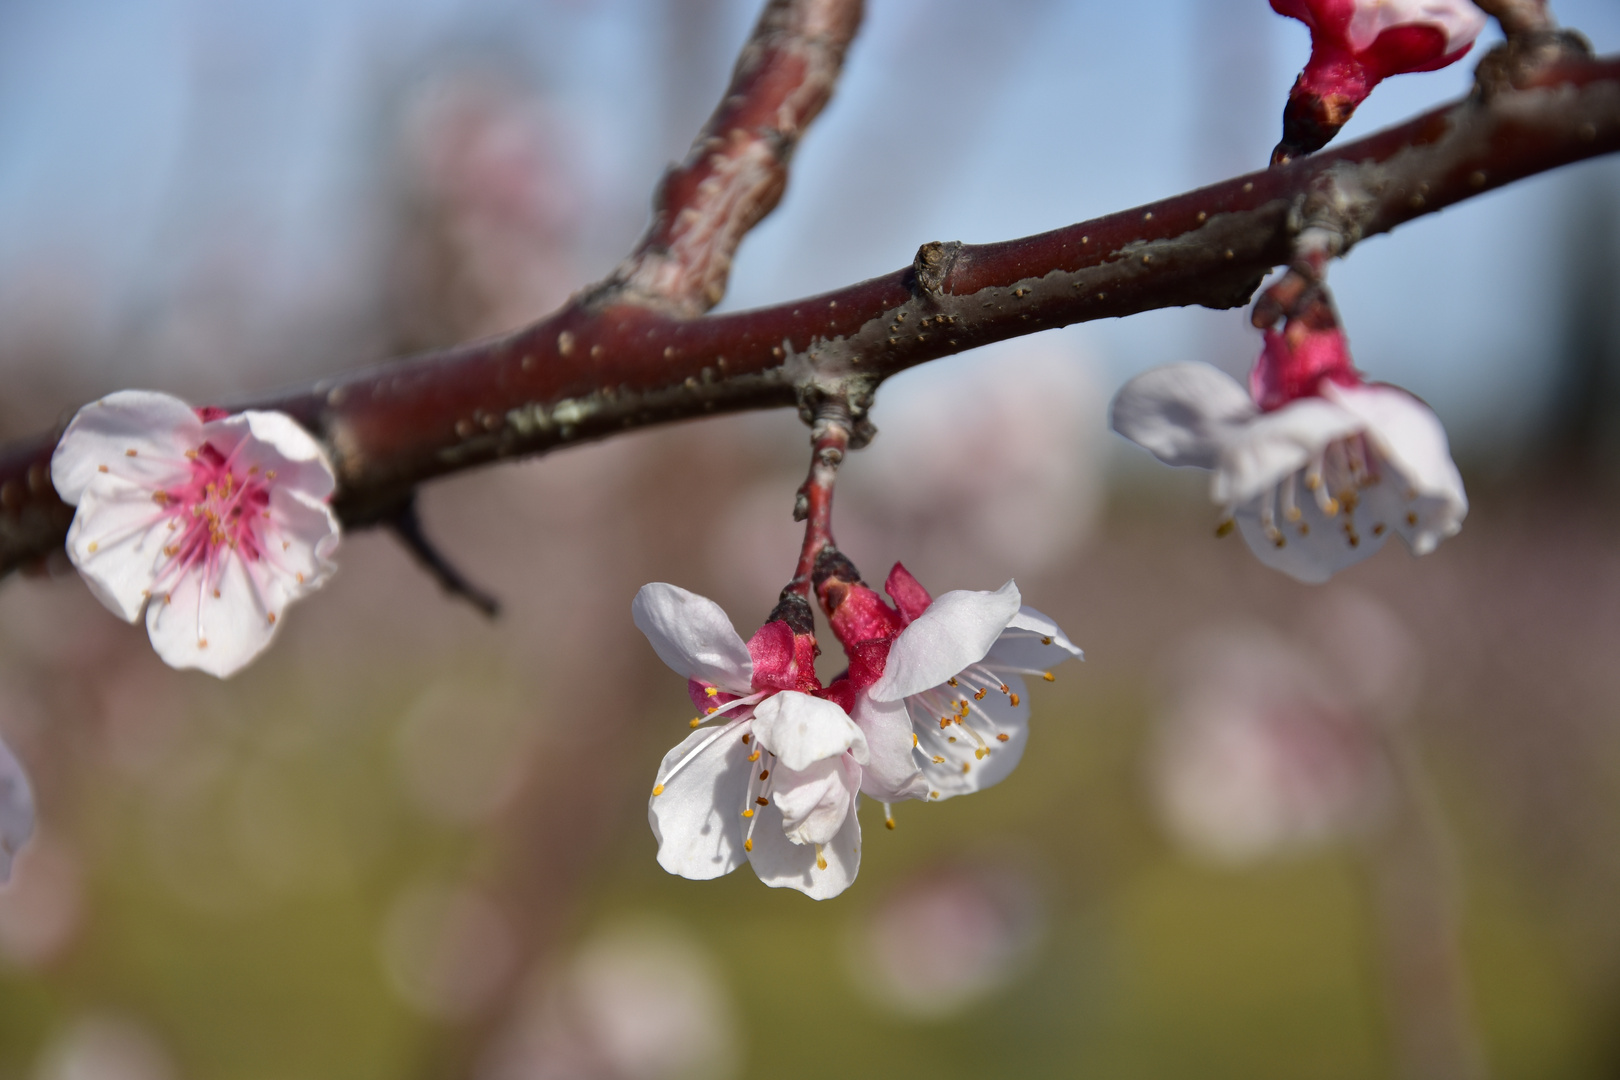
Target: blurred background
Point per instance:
(1266, 830)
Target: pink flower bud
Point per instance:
(784, 649)
(1355, 45)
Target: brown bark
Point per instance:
(628, 353)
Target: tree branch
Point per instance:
(737, 168)
(617, 357)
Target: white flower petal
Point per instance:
(273, 442)
(300, 537)
(692, 635)
(1183, 413)
(1459, 20)
(1023, 646)
(697, 817)
(891, 772)
(192, 627)
(158, 427)
(1411, 438)
(16, 810)
(958, 629)
(815, 802)
(116, 541)
(783, 864)
(1277, 444)
(999, 717)
(1316, 547)
(801, 730)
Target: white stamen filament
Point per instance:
(718, 732)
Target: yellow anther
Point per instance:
(764, 774)
(695, 721)
(953, 738)
(202, 643)
(944, 722)
(938, 760)
(746, 737)
(821, 860)
(272, 618)
(979, 696)
(658, 790)
(888, 823)
(748, 844)
(92, 546)
(1378, 529)
(1004, 687)
(966, 766)
(1331, 507)
(101, 468)
(1048, 676)
(748, 812)
(980, 752)
(754, 756)
(914, 740)
(763, 801)
(1411, 519)
(1225, 528)
(711, 691)
(1293, 514)
(951, 681)
(1013, 699)
(711, 710)
(933, 794)
(129, 453)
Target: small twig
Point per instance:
(829, 439)
(737, 168)
(407, 526)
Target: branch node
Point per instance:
(407, 526)
(932, 266)
(1518, 62)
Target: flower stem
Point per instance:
(829, 439)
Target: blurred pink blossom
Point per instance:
(944, 939)
(638, 1001)
(1267, 748)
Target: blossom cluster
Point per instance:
(207, 524)
(933, 705)
(1312, 464)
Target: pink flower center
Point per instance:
(219, 509)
